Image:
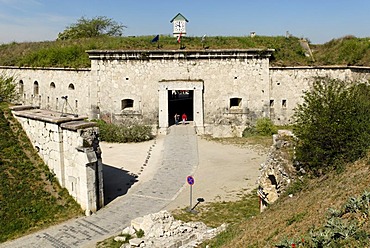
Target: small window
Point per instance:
(235, 102)
(127, 103)
(283, 103)
(71, 87)
(52, 85)
(35, 88)
(272, 102)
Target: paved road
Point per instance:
(180, 158)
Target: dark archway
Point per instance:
(180, 101)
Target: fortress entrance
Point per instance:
(180, 101)
(180, 97)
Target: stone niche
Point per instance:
(69, 146)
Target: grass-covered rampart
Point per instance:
(288, 51)
(30, 197)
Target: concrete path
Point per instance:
(179, 158)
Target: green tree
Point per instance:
(332, 125)
(94, 27)
(7, 88)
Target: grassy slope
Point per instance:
(293, 216)
(288, 52)
(30, 197)
(290, 218)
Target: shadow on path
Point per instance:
(117, 182)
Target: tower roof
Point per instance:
(179, 17)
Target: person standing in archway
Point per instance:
(177, 118)
(184, 118)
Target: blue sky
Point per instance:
(318, 20)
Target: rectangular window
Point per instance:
(283, 103)
(272, 102)
(127, 103)
(235, 102)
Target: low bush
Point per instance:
(263, 127)
(118, 133)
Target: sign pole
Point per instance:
(190, 181)
(191, 196)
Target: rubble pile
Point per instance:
(162, 230)
(278, 170)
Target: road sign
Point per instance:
(190, 180)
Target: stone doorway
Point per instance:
(191, 102)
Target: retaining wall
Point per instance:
(70, 148)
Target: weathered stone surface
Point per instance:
(71, 150)
(214, 76)
(278, 170)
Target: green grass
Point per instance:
(30, 197)
(214, 214)
(288, 51)
(71, 53)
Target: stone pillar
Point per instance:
(94, 112)
(198, 108)
(163, 109)
(60, 152)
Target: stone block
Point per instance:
(136, 242)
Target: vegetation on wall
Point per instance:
(7, 88)
(71, 53)
(30, 197)
(332, 125)
(348, 50)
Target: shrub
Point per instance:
(7, 88)
(123, 134)
(265, 127)
(249, 131)
(332, 125)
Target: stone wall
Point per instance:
(231, 88)
(70, 148)
(287, 85)
(45, 87)
(217, 76)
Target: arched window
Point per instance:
(71, 87)
(20, 87)
(52, 85)
(127, 103)
(35, 88)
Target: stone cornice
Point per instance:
(178, 54)
(35, 113)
